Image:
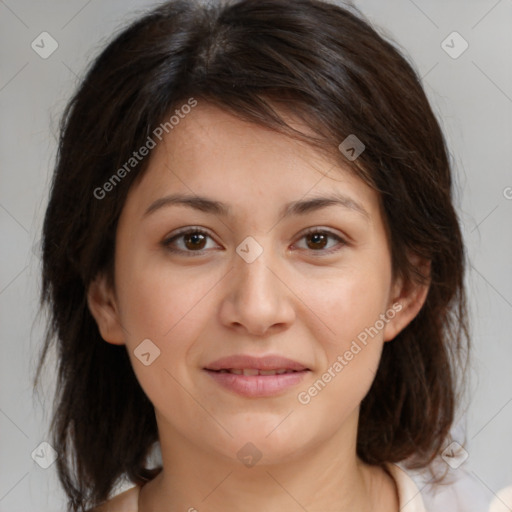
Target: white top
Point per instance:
(461, 496)
(409, 496)
(461, 491)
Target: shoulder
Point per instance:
(409, 496)
(460, 492)
(126, 501)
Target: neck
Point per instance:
(328, 476)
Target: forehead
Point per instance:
(213, 153)
(210, 136)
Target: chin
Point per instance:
(265, 446)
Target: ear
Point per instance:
(407, 298)
(103, 307)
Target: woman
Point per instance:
(251, 258)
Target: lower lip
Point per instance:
(256, 386)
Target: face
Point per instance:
(312, 284)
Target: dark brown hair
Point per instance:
(332, 70)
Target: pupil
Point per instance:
(196, 238)
(316, 238)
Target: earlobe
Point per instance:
(103, 307)
(407, 300)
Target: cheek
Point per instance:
(349, 303)
(170, 309)
(352, 337)
(161, 303)
(350, 357)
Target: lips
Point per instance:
(257, 377)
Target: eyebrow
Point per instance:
(301, 207)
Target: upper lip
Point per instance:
(244, 361)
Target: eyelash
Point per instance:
(196, 230)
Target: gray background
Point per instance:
(472, 96)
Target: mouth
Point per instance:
(245, 364)
(257, 377)
(255, 371)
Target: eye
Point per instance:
(194, 240)
(318, 239)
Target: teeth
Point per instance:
(250, 371)
(255, 371)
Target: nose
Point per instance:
(257, 299)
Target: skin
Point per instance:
(296, 299)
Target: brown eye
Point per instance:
(317, 240)
(188, 241)
(194, 240)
